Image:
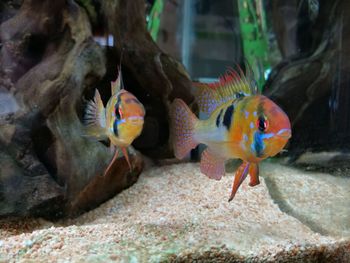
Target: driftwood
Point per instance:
(156, 77)
(50, 64)
(311, 83)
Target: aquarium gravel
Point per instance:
(175, 213)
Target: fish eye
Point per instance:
(262, 123)
(118, 113)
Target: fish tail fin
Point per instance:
(183, 123)
(95, 117)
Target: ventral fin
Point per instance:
(254, 174)
(212, 165)
(126, 155)
(232, 85)
(240, 176)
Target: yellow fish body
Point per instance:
(241, 124)
(121, 121)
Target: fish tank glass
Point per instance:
(174, 131)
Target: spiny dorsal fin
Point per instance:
(117, 85)
(230, 86)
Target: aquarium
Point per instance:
(174, 131)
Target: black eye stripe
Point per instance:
(116, 107)
(115, 128)
(116, 110)
(262, 123)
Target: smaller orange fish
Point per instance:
(242, 124)
(121, 121)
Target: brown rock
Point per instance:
(50, 63)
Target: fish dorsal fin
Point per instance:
(117, 85)
(231, 85)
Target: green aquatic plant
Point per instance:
(153, 22)
(253, 33)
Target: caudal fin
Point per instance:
(183, 121)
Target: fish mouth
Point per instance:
(284, 134)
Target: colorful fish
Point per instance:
(241, 124)
(121, 121)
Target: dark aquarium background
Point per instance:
(299, 52)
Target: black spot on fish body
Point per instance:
(218, 118)
(227, 120)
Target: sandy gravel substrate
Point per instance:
(174, 213)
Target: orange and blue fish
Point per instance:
(241, 124)
(120, 122)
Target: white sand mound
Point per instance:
(176, 213)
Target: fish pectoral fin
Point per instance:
(254, 174)
(240, 175)
(212, 165)
(95, 117)
(126, 155)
